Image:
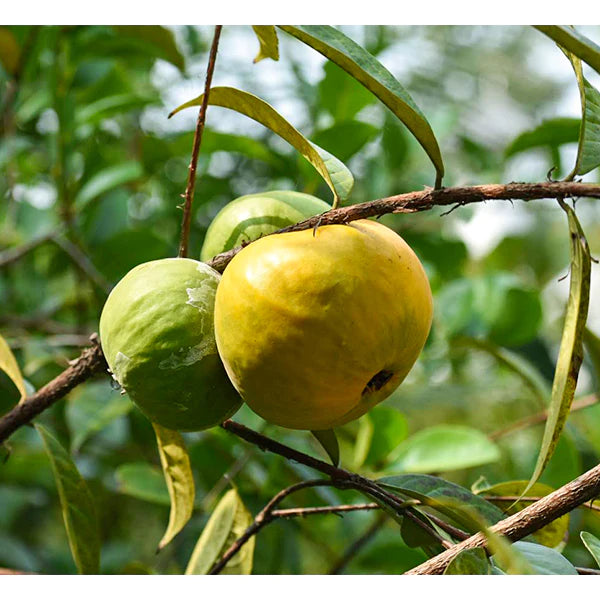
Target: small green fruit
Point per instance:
(251, 217)
(157, 334)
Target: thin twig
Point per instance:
(287, 513)
(426, 200)
(191, 183)
(358, 545)
(264, 517)
(541, 417)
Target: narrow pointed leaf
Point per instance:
(366, 69)
(574, 42)
(177, 470)
(329, 441)
(8, 364)
(142, 481)
(226, 524)
(106, 180)
(570, 354)
(156, 39)
(592, 543)
(473, 561)
(588, 150)
(548, 134)
(333, 171)
(79, 511)
(269, 44)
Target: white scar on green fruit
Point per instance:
(121, 361)
(186, 357)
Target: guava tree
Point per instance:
(483, 459)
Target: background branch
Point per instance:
(191, 183)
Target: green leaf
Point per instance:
(366, 69)
(507, 556)
(588, 150)
(448, 498)
(107, 179)
(574, 42)
(544, 560)
(8, 364)
(592, 345)
(333, 171)
(551, 134)
(552, 534)
(177, 470)
(443, 448)
(10, 53)
(269, 44)
(142, 481)
(531, 377)
(90, 409)
(79, 511)
(592, 543)
(329, 442)
(228, 521)
(473, 561)
(570, 354)
(155, 38)
(108, 106)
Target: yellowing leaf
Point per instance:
(570, 354)
(228, 521)
(78, 508)
(269, 44)
(333, 171)
(552, 534)
(8, 364)
(10, 52)
(177, 470)
(366, 69)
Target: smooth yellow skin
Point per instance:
(304, 321)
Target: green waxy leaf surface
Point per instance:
(227, 523)
(329, 442)
(333, 171)
(592, 543)
(366, 69)
(570, 354)
(443, 448)
(8, 364)
(79, 511)
(269, 44)
(142, 481)
(177, 470)
(544, 560)
(473, 561)
(446, 497)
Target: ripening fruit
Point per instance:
(250, 217)
(314, 329)
(157, 334)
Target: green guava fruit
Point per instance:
(250, 217)
(157, 333)
(317, 327)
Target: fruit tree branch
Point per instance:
(427, 199)
(90, 362)
(191, 183)
(530, 519)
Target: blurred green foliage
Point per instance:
(88, 157)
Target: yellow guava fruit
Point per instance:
(316, 328)
(250, 217)
(157, 333)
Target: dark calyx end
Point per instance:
(377, 381)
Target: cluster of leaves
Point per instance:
(92, 176)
